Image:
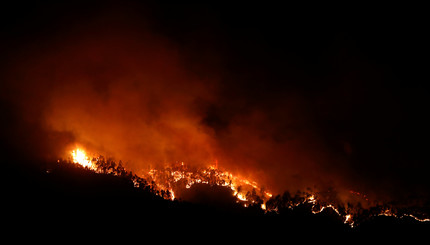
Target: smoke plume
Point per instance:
(115, 83)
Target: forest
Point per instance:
(62, 193)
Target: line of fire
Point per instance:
(173, 178)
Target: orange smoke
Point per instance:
(125, 96)
(121, 91)
(111, 82)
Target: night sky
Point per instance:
(294, 96)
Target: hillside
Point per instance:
(67, 195)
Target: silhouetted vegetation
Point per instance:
(65, 194)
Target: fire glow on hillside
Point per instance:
(164, 182)
(303, 112)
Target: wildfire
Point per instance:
(246, 191)
(80, 157)
(164, 181)
(390, 213)
(311, 199)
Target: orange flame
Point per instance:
(80, 157)
(214, 176)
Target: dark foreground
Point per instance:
(67, 199)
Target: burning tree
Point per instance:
(164, 182)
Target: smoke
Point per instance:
(119, 93)
(113, 84)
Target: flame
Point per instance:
(241, 197)
(172, 194)
(263, 206)
(80, 157)
(390, 213)
(247, 192)
(348, 219)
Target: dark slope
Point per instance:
(67, 197)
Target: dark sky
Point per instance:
(296, 96)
